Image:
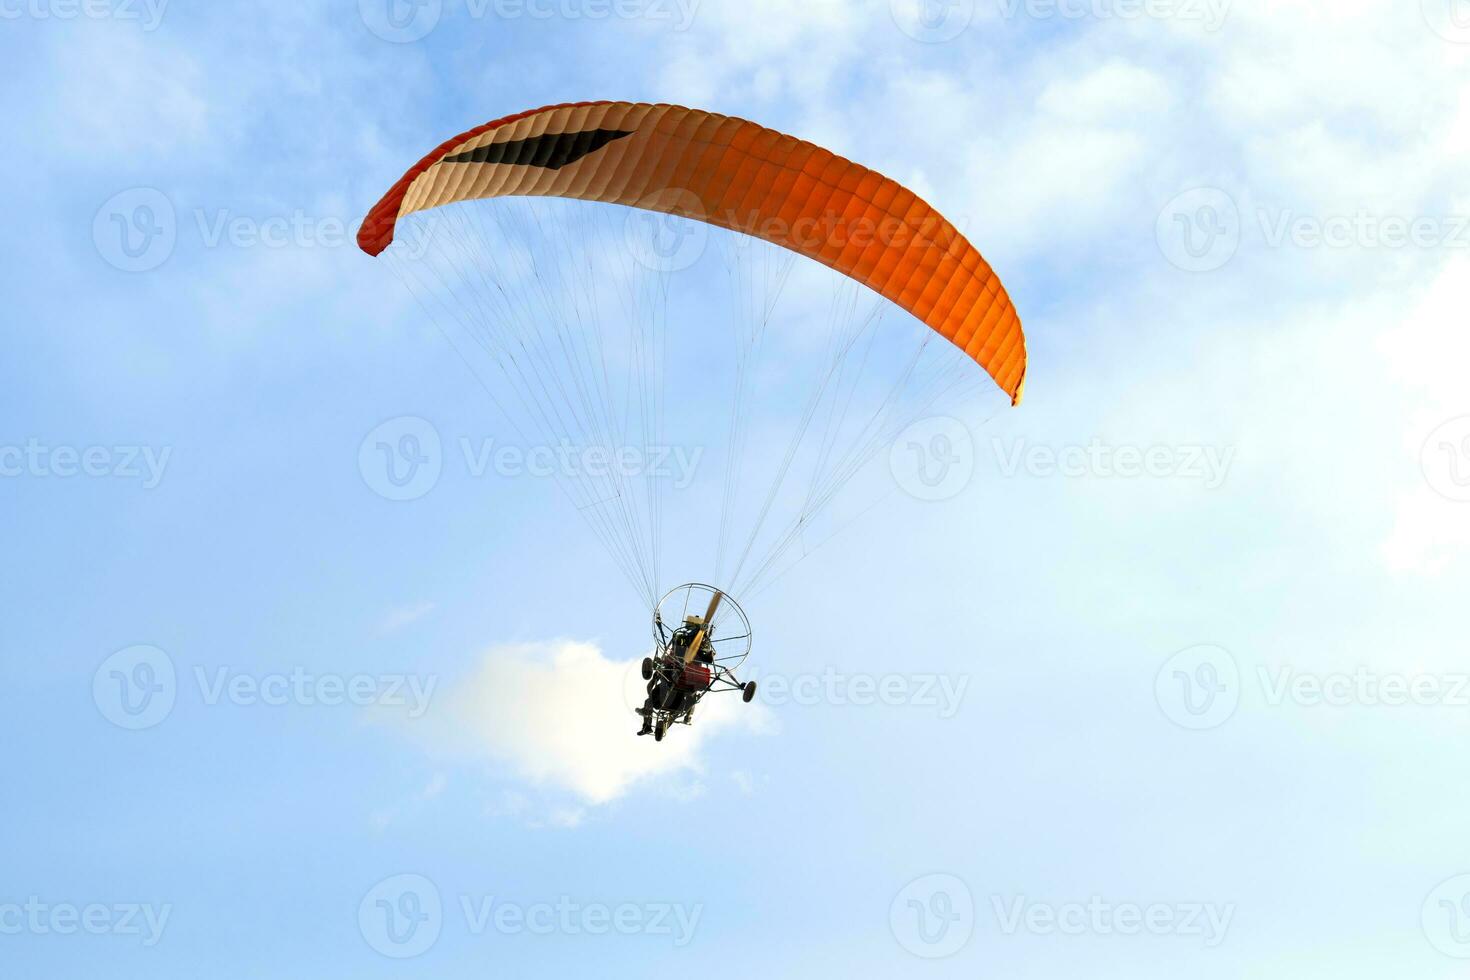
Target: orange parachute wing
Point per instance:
(737, 175)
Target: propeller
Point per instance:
(709, 618)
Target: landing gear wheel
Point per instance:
(747, 691)
(648, 668)
(660, 729)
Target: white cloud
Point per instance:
(761, 49)
(1426, 353)
(560, 716)
(1115, 90)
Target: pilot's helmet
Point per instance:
(693, 620)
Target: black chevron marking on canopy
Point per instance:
(551, 151)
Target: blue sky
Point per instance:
(1223, 695)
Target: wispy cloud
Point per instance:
(402, 616)
(385, 817)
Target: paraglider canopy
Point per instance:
(737, 175)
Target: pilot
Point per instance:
(663, 687)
